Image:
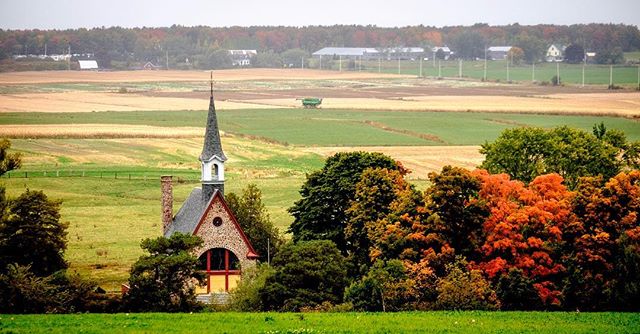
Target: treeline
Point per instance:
(555, 225)
(201, 47)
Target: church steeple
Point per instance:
(212, 156)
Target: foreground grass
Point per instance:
(406, 322)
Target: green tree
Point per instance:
(268, 59)
(295, 57)
(525, 153)
(8, 161)
(306, 274)
(516, 291)
(163, 280)
(610, 56)
(327, 194)
(32, 234)
(384, 288)
(454, 209)
(574, 54)
(254, 219)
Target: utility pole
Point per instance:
(558, 73)
(439, 69)
(45, 50)
(302, 63)
(484, 76)
(610, 76)
(508, 78)
(379, 64)
(460, 68)
(398, 63)
(69, 58)
(340, 63)
(584, 63)
(321, 62)
(533, 71)
(420, 66)
(167, 58)
(434, 57)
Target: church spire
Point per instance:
(212, 156)
(212, 145)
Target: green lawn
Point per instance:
(108, 216)
(497, 70)
(405, 322)
(331, 127)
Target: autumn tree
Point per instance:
(604, 260)
(523, 231)
(379, 194)
(254, 219)
(327, 194)
(515, 55)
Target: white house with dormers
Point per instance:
(555, 53)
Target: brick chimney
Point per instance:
(167, 201)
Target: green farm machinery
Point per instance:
(311, 102)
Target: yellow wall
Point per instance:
(217, 284)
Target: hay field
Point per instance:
(421, 160)
(39, 77)
(596, 104)
(96, 131)
(107, 101)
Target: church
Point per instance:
(226, 250)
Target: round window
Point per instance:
(217, 221)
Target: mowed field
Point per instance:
(101, 150)
(401, 322)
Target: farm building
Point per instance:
(88, 64)
(242, 57)
(555, 53)
(498, 52)
(404, 53)
(226, 251)
(347, 53)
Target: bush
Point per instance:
(163, 281)
(305, 274)
(555, 80)
(246, 296)
(462, 289)
(383, 288)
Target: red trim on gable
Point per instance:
(252, 253)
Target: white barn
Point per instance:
(88, 64)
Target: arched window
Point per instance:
(214, 172)
(219, 262)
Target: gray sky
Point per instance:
(61, 14)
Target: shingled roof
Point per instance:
(212, 146)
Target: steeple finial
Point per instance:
(211, 81)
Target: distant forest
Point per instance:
(205, 47)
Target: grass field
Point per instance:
(327, 127)
(410, 322)
(105, 166)
(497, 70)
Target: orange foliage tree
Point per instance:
(524, 229)
(604, 262)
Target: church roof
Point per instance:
(192, 212)
(187, 218)
(212, 145)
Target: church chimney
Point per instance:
(167, 201)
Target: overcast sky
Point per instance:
(62, 14)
